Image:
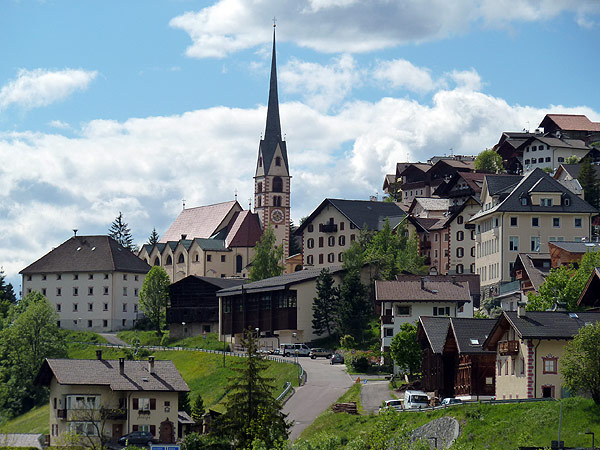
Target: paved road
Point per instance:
(324, 385)
(373, 394)
(113, 339)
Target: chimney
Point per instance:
(423, 283)
(521, 311)
(183, 236)
(122, 366)
(99, 355)
(453, 279)
(74, 231)
(151, 364)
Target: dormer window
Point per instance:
(524, 201)
(278, 161)
(545, 202)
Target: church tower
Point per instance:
(272, 178)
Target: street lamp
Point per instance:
(592, 433)
(183, 329)
(257, 338)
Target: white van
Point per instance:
(293, 349)
(415, 399)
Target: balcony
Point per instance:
(508, 347)
(61, 413)
(425, 245)
(328, 227)
(114, 413)
(387, 320)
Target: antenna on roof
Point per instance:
(183, 201)
(235, 194)
(75, 231)
(249, 204)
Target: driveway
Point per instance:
(324, 385)
(113, 339)
(373, 394)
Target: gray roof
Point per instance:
(435, 330)
(221, 283)
(499, 183)
(360, 212)
(22, 440)
(577, 247)
(574, 169)
(103, 372)
(536, 275)
(410, 291)
(512, 203)
(470, 333)
(88, 254)
(277, 283)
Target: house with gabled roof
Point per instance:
(549, 152)
(574, 126)
(332, 227)
(461, 186)
(93, 283)
(431, 335)
(112, 398)
(528, 346)
(523, 215)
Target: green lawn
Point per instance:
(34, 421)
(494, 427)
(210, 342)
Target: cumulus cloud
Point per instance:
(41, 87)
(400, 73)
(321, 86)
(351, 26)
(52, 183)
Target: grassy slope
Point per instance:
(34, 421)
(494, 427)
(211, 342)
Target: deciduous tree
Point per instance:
(267, 257)
(154, 297)
(580, 363)
(489, 161)
(405, 349)
(252, 411)
(121, 233)
(589, 182)
(325, 304)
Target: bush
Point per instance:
(347, 341)
(195, 441)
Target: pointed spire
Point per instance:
(273, 128)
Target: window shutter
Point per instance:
(153, 430)
(134, 427)
(135, 403)
(152, 403)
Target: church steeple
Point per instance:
(273, 128)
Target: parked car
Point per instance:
(294, 349)
(451, 401)
(415, 399)
(319, 352)
(336, 358)
(137, 437)
(392, 404)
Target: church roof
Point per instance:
(88, 254)
(244, 230)
(199, 222)
(272, 137)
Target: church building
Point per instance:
(218, 240)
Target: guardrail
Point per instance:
(478, 402)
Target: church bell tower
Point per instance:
(272, 177)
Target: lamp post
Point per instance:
(183, 329)
(257, 338)
(593, 441)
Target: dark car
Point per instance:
(336, 358)
(137, 437)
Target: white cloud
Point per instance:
(321, 86)
(466, 79)
(59, 124)
(400, 73)
(352, 26)
(40, 87)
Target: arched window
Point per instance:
(330, 257)
(259, 187)
(310, 243)
(340, 256)
(259, 201)
(238, 263)
(181, 259)
(169, 260)
(331, 241)
(309, 260)
(278, 161)
(459, 268)
(277, 184)
(157, 261)
(298, 268)
(459, 219)
(460, 252)
(277, 200)
(460, 235)
(196, 257)
(342, 240)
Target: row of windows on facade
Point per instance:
(535, 221)
(276, 201)
(460, 252)
(277, 185)
(181, 259)
(263, 302)
(91, 307)
(90, 291)
(549, 366)
(534, 148)
(560, 159)
(310, 228)
(90, 324)
(494, 272)
(330, 258)
(76, 277)
(310, 242)
(460, 236)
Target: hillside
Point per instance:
(483, 426)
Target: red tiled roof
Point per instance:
(573, 122)
(244, 230)
(200, 222)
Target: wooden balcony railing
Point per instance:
(508, 347)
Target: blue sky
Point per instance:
(133, 106)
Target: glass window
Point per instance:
(310, 228)
(513, 243)
(578, 222)
(310, 243)
(460, 235)
(460, 252)
(535, 243)
(556, 222)
(535, 221)
(514, 221)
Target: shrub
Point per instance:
(347, 341)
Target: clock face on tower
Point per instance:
(277, 216)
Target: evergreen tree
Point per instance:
(153, 238)
(355, 309)
(252, 412)
(198, 409)
(267, 257)
(7, 295)
(121, 233)
(154, 297)
(589, 182)
(294, 246)
(325, 304)
(184, 402)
